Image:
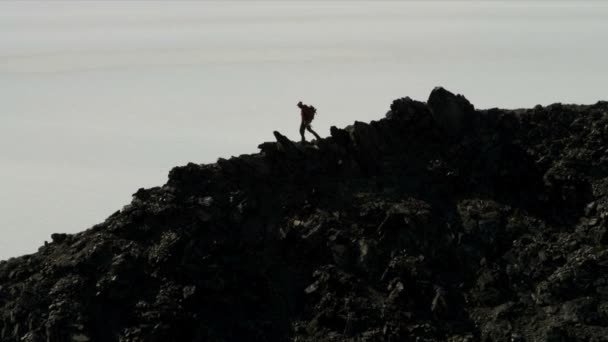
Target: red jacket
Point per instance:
(307, 112)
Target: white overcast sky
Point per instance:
(100, 98)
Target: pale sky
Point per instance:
(100, 98)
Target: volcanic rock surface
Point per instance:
(437, 223)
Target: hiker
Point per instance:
(308, 114)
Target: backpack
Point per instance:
(309, 113)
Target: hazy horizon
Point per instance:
(102, 98)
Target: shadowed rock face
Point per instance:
(436, 223)
(452, 113)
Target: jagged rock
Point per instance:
(340, 136)
(408, 109)
(453, 113)
(435, 223)
(58, 238)
(286, 145)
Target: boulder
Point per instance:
(453, 113)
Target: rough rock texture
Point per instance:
(453, 113)
(492, 228)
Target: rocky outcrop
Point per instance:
(437, 223)
(453, 113)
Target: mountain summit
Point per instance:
(439, 222)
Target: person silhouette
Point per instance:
(308, 114)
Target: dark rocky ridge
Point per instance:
(437, 223)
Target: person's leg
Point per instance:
(309, 128)
(302, 127)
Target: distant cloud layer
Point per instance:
(101, 98)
